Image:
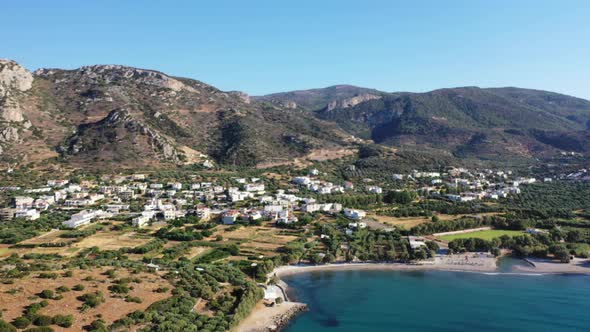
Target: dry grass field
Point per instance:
(15, 297)
(112, 240)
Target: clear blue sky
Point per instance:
(269, 46)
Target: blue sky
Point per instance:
(268, 46)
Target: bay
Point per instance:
(439, 301)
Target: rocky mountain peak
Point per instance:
(242, 96)
(14, 76)
(111, 74)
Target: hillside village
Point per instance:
(246, 200)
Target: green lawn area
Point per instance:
(485, 235)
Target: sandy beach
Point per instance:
(473, 262)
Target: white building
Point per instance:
(29, 214)
(273, 208)
(354, 214)
(254, 187)
(175, 185)
(310, 208)
(416, 242)
(302, 180)
(204, 213)
(375, 189)
(140, 221)
(230, 217)
(355, 225)
(22, 202)
(84, 218)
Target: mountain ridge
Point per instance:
(126, 116)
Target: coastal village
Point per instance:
(264, 225)
(245, 199)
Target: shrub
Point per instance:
(43, 320)
(161, 289)
(39, 329)
(133, 299)
(6, 327)
(92, 299)
(96, 326)
(111, 273)
(119, 288)
(47, 275)
(46, 294)
(21, 322)
(63, 320)
(62, 289)
(78, 287)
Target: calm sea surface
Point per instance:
(440, 301)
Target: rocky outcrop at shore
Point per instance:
(281, 321)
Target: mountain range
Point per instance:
(118, 116)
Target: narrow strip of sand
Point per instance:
(450, 263)
(548, 266)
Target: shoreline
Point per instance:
(266, 319)
(297, 269)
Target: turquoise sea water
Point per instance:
(440, 301)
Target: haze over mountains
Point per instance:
(123, 116)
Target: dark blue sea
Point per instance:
(440, 301)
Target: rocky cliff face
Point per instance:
(317, 99)
(14, 80)
(351, 102)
